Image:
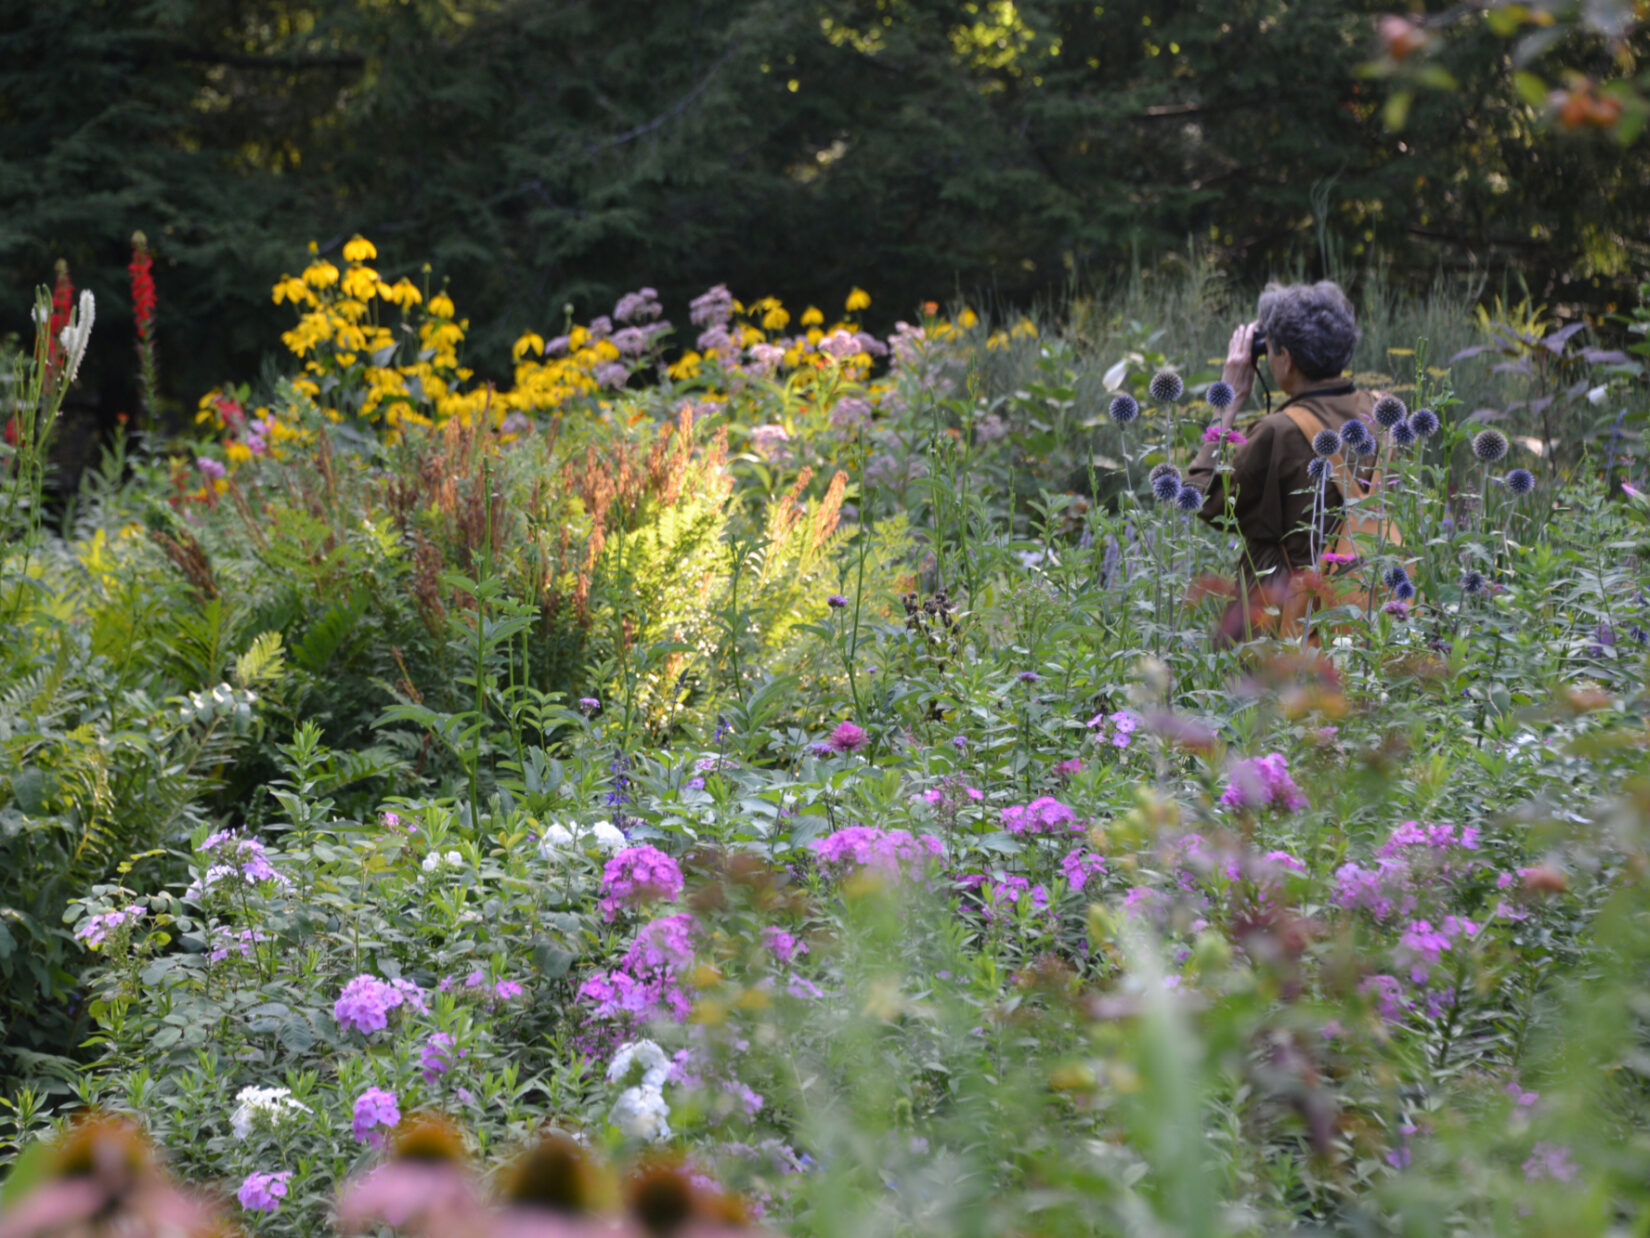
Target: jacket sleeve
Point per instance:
(1253, 482)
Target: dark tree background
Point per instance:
(548, 153)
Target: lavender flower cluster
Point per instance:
(366, 1002)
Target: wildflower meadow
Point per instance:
(747, 770)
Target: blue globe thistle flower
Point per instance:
(1389, 411)
(1490, 445)
(1355, 434)
(1166, 488)
(1163, 470)
(1319, 467)
(1167, 387)
(1124, 408)
(1472, 583)
(1326, 442)
(1364, 445)
(1403, 434)
(1520, 481)
(1394, 576)
(1220, 394)
(1424, 422)
(1189, 499)
(1403, 591)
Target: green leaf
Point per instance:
(1396, 110)
(1530, 87)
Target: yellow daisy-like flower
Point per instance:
(858, 299)
(441, 305)
(686, 366)
(968, 320)
(238, 453)
(403, 293)
(359, 249)
(361, 283)
(1024, 329)
(811, 317)
(776, 318)
(290, 288)
(530, 341)
(321, 274)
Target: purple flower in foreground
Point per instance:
(836, 601)
(263, 1192)
(375, 1111)
(847, 738)
(638, 874)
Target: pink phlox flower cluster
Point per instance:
(637, 875)
(1384, 891)
(95, 930)
(1521, 1098)
(951, 792)
(1068, 768)
(491, 992)
(1006, 891)
(1044, 815)
(1142, 901)
(1550, 1160)
(1080, 865)
(782, 945)
(366, 1002)
(689, 1070)
(647, 982)
(438, 1054)
(1424, 944)
(263, 1192)
(375, 1112)
(863, 846)
(1439, 838)
(1116, 728)
(1391, 1000)
(229, 942)
(1260, 783)
(234, 856)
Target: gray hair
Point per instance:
(1314, 322)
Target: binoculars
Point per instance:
(1257, 350)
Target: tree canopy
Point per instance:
(554, 154)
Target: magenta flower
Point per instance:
(1080, 865)
(366, 1002)
(847, 738)
(896, 852)
(1263, 782)
(1044, 815)
(437, 1056)
(263, 1192)
(375, 1112)
(637, 875)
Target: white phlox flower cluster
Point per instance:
(436, 861)
(264, 1106)
(557, 837)
(641, 1110)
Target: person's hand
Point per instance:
(1239, 373)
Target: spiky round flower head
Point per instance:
(1472, 583)
(1167, 387)
(1326, 442)
(1424, 422)
(1389, 411)
(1403, 434)
(1167, 488)
(1124, 408)
(1521, 481)
(1403, 590)
(1220, 394)
(1163, 470)
(1394, 576)
(1489, 445)
(1319, 468)
(1189, 498)
(1355, 434)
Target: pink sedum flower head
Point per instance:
(638, 875)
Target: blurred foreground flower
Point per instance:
(101, 1177)
(424, 1187)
